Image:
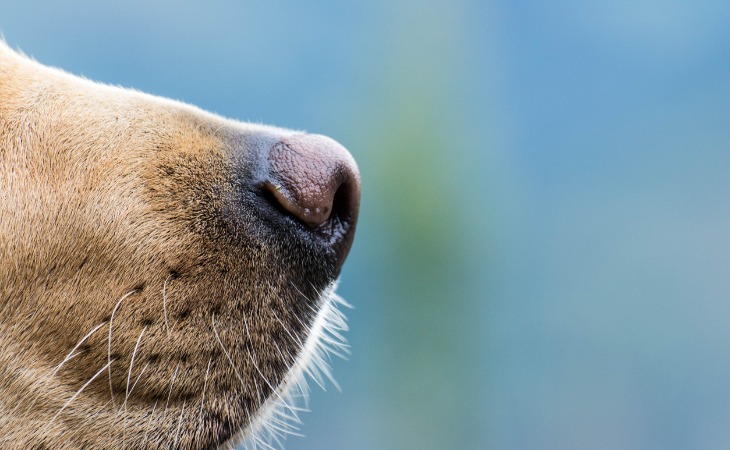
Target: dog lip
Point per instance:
(339, 233)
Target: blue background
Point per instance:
(543, 256)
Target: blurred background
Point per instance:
(543, 257)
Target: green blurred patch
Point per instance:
(417, 189)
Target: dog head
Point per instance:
(166, 275)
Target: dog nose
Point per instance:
(316, 181)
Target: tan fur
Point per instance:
(110, 205)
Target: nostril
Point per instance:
(342, 202)
(315, 180)
(312, 209)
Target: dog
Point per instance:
(167, 276)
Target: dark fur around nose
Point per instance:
(315, 180)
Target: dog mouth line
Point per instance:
(279, 417)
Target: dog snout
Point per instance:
(315, 180)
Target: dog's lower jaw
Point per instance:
(279, 415)
(161, 273)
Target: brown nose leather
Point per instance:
(315, 180)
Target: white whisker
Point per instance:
(164, 304)
(202, 397)
(256, 366)
(73, 397)
(131, 362)
(109, 347)
(43, 382)
(275, 420)
(141, 372)
(179, 424)
(71, 354)
(147, 430)
(172, 381)
(228, 356)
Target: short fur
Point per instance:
(145, 302)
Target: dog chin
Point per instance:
(279, 417)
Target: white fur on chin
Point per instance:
(279, 416)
